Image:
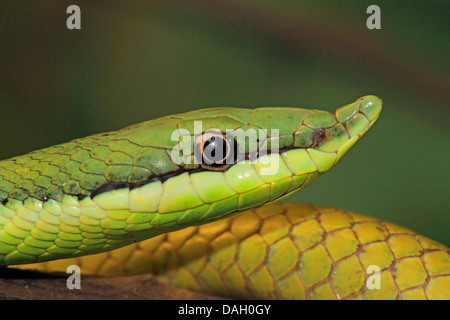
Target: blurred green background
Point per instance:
(139, 60)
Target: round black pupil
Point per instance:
(215, 154)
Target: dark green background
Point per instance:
(134, 61)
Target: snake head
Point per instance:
(173, 183)
(295, 146)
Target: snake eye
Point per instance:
(216, 150)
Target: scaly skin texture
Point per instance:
(109, 190)
(285, 251)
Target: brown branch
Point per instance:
(28, 285)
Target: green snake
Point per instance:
(79, 200)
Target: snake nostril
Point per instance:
(317, 136)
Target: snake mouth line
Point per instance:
(111, 186)
(318, 136)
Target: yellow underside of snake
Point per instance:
(285, 251)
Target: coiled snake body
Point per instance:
(118, 189)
